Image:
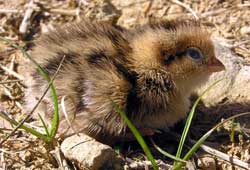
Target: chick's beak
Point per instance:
(214, 65)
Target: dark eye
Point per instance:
(194, 53)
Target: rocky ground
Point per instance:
(25, 20)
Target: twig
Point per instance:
(7, 92)
(9, 152)
(148, 8)
(2, 161)
(78, 10)
(26, 19)
(63, 12)
(18, 104)
(85, 2)
(6, 11)
(68, 12)
(211, 13)
(240, 43)
(10, 81)
(244, 5)
(34, 108)
(236, 44)
(12, 63)
(187, 7)
(224, 156)
(221, 10)
(11, 72)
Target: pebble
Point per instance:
(88, 153)
(245, 30)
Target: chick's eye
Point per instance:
(194, 53)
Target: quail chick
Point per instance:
(149, 72)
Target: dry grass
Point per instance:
(228, 20)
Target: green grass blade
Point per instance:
(166, 153)
(26, 128)
(137, 135)
(189, 120)
(44, 125)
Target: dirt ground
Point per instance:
(227, 20)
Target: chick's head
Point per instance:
(180, 51)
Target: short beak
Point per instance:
(214, 65)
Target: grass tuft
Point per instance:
(49, 136)
(189, 120)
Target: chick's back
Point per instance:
(92, 74)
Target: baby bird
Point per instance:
(149, 71)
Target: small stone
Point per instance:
(207, 163)
(175, 9)
(102, 10)
(245, 30)
(88, 153)
(26, 156)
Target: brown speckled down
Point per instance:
(149, 71)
